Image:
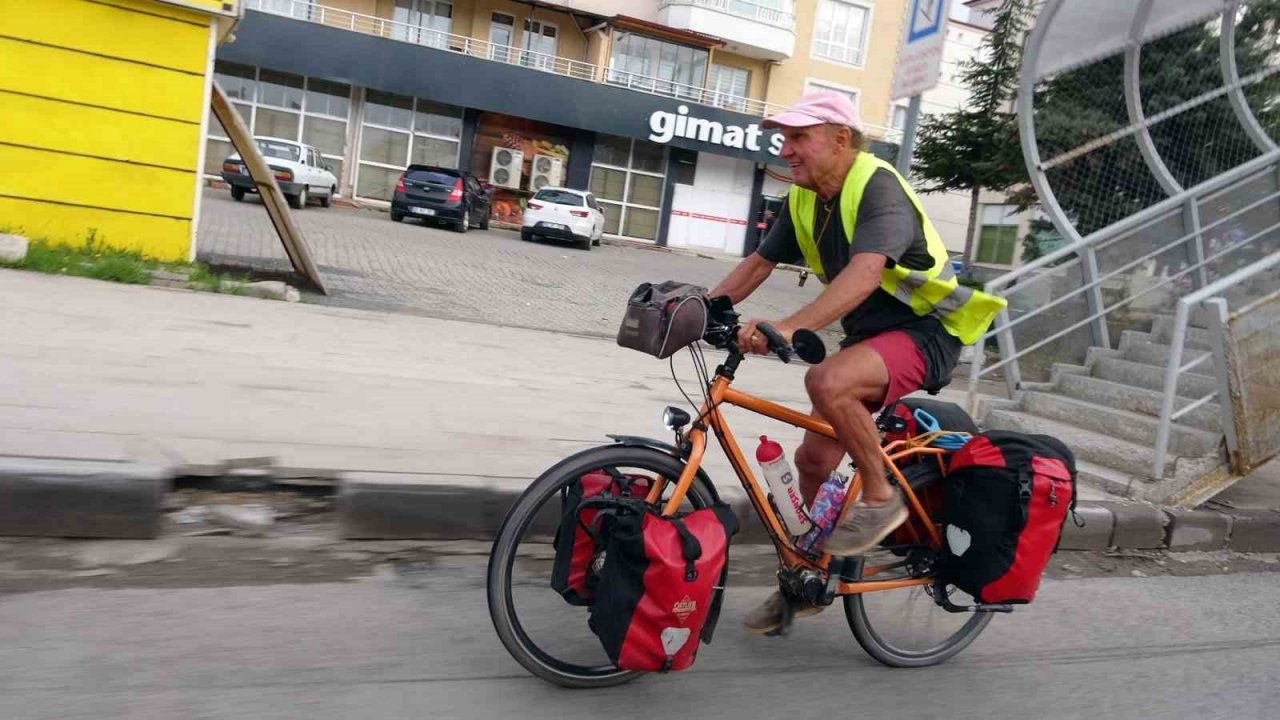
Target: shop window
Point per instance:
(629, 185)
(237, 81)
(377, 182)
(281, 90)
(431, 151)
(998, 236)
(328, 98)
(276, 123)
(685, 166)
(329, 136)
(279, 104)
(387, 147)
(388, 110)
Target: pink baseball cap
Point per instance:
(817, 108)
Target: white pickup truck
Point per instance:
(300, 171)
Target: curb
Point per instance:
(51, 498)
(69, 499)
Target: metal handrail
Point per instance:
(785, 19)
(1116, 306)
(1138, 261)
(1139, 220)
(1208, 295)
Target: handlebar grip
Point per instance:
(809, 346)
(777, 343)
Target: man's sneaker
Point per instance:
(767, 617)
(865, 526)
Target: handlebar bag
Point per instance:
(661, 319)
(577, 545)
(661, 585)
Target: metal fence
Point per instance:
(1147, 127)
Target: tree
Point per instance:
(977, 147)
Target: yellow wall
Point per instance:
(755, 85)
(873, 81)
(100, 128)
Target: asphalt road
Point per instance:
(418, 644)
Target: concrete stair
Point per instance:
(1107, 412)
(1137, 400)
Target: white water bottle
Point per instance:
(783, 487)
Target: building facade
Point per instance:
(653, 105)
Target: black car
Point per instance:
(441, 194)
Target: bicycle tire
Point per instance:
(886, 653)
(518, 519)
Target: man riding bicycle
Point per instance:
(858, 225)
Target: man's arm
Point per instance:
(745, 278)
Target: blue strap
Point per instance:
(928, 423)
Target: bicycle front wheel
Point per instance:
(905, 628)
(544, 633)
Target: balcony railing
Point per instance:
(692, 93)
(430, 37)
(783, 17)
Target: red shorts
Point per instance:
(904, 361)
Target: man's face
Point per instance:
(811, 153)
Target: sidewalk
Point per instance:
(401, 406)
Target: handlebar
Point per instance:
(723, 326)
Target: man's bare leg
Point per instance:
(841, 388)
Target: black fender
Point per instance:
(636, 441)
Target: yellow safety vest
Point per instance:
(965, 313)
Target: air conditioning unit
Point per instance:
(546, 171)
(506, 168)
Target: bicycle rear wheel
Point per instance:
(544, 633)
(906, 628)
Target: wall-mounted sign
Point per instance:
(667, 126)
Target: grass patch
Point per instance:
(202, 278)
(91, 261)
(94, 260)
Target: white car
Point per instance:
(300, 171)
(564, 214)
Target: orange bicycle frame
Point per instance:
(791, 556)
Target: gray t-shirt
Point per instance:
(888, 225)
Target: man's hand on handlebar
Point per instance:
(751, 340)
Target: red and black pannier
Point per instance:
(1007, 496)
(576, 541)
(661, 584)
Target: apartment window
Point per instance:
(729, 87)
(840, 31)
(301, 9)
(627, 178)
(399, 130)
(998, 236)
(502, 33)
(426, 22)
(540, 40)
(283, 105)
(652, 65)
